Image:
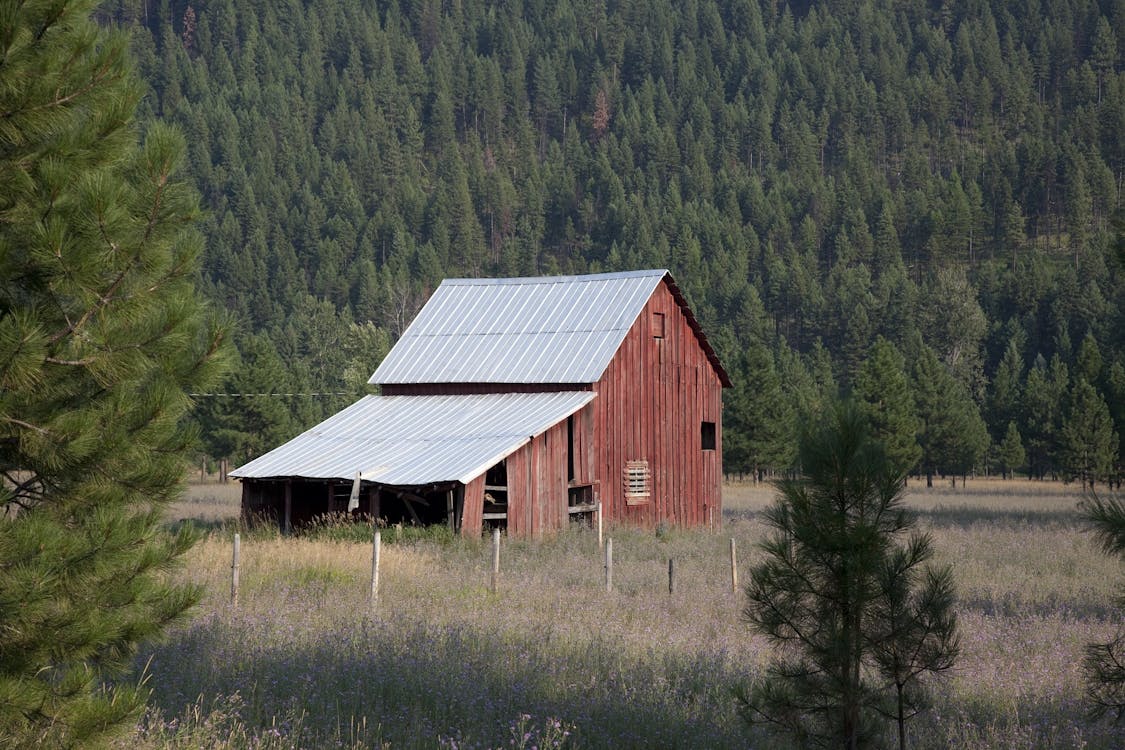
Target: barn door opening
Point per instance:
(419, 506)
(495, 515)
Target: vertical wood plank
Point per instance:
(472, 508)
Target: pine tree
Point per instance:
(1044, 395)
(852, 608)
(1010, 453)
(1088, 442)
(1089, 359)
(882, 390)
(1005, 391)
(760, 417)
(101, 339)
(1104, 665)
(935, 396)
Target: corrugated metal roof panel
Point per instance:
(554, 329)
(416, 440)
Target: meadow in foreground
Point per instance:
(554, 660)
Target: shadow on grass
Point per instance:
(1017, 607)
(417, 682)
(964, 516)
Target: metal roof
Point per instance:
(417, 440)
(548, 329)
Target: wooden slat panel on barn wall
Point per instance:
(539, 451)
(473, 508)
(557, 515)
(519, 495)
(584, 470)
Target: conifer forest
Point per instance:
(918, 203)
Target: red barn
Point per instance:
(522, 403)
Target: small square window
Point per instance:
(707, 435)
(638, 482)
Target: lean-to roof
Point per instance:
(416, 440)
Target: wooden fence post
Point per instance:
(599, 525)
(609, 564)
(234, 571)
(376, 551)
(733, 567)
(671, 578)
(495, 560)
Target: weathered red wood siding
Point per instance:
(651, 403)
(585, 458)
(472, 508)
(537, 484)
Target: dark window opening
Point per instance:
(707, 435)
(658, 325)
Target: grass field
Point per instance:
(554, 660)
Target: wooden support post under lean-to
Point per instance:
(286, 522)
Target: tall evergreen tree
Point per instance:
(882, 390)
(1044, 397)
(761, 416)
(1104, 665)
(844, 593)
(1088, 440)
(953, 436)
(1005, 390)
(101, 339)
(1010, 453)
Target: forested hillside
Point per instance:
(911, 201)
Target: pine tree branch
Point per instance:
(108, 296)
(100, 77)
(27, 425)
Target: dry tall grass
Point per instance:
(303, 662)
